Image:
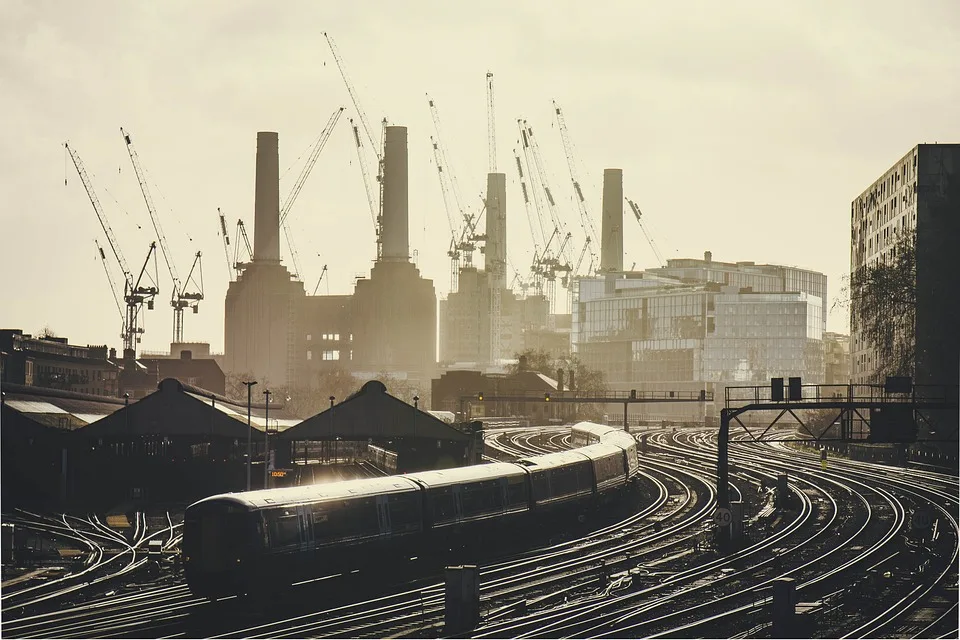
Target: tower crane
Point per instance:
(106, 270)
(491, 126)
(226, 243)
(464, 238)
(586, 221)
(653, 245)
(322, 273)
(318, 146)
(241, 234)
(368, 189)
(496, 267)
(136, 291)
(364, 122)
(454, 251)
(180, 298)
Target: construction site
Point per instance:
(279, 330)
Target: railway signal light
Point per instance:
(480, 396)
(546, 397)
(796, 392)
(776, 389)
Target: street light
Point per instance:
(416, 402)
(250, 386)
(332, 398)
(266, 436)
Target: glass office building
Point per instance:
(657, 332)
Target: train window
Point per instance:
(283, 529)
(444, 504)
(404, 511)
(540, 485)
(517, 491)
(481, 497)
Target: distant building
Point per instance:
(921, 193)
(465, 321)
(836, 358)
(53, 363)
(698, 325)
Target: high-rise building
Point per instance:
(917, 198)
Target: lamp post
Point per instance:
(250, 386)
(332, 398)
(416, 404)
(266, 436)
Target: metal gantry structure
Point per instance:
(181, 297)
(138, 290)
(376, 208)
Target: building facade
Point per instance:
(654, 331)
(55, 364)
(836, 358)
(465, 321)
(918, 197)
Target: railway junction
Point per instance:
(823, 547)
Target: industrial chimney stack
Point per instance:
(395, 223)
(611, 244)
(266, 230)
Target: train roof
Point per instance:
(265, 499)
(462, 475)
(553, 459)
(597, 429)
(600, 450)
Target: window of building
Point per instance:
(331, 355)
(309, 337)
(309, 355)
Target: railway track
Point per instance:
(651, 574)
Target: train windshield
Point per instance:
(216, 536)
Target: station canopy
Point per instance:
(181, 410)
(372, 413)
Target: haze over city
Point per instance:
(740, 130)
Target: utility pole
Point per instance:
(249, 386)
(266, 437)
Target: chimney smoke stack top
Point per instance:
(266, 230)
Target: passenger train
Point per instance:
(256, 541)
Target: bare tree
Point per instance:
(882, 298)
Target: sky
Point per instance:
(742, 128)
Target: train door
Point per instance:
(457, 502)
(306, 526)
(383, 515)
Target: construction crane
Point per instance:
(586, 221)
(365, 123)
(495, 268)
(491, 126)
(226, 244)
(317, 147)
(653, 245)
(180, 298)
(464, 238)
(368, 190)
(113, 287)
(136, 291)
(454, 251)
(322, 273)
(241, 234)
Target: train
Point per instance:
(258, 542)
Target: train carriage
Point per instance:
(236, 543)
(248, 542)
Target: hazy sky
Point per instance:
(744, 128)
